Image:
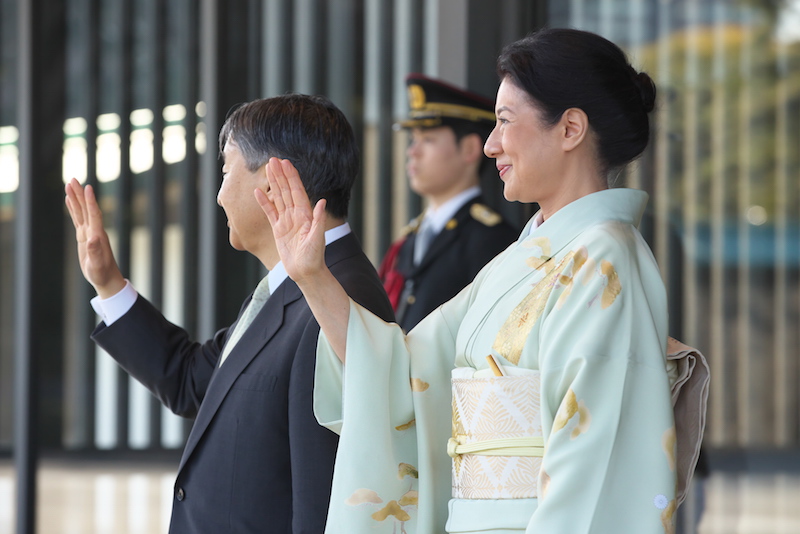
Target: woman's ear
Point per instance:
(574, 125)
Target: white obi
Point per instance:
(497, 441)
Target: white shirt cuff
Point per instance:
(116, 306)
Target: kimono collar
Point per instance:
(619, 204)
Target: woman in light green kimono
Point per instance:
(544, 380)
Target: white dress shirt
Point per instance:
(439, 217)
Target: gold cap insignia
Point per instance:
(416, 96)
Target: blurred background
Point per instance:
(129, 96)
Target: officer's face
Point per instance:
(436, 163)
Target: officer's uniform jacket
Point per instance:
(474, 235)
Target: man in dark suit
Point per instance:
(443, 249)
(256, 460)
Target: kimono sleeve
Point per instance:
(391, 406)
(377, 351)
(609, 463)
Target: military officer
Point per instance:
(442, 249)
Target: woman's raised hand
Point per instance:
(299, 235)
(299, 231)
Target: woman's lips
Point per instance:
(502, 169)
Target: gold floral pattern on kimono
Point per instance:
(569, 407)
(669, 442)
(418, 385)
(540, 244)
(581, 256)
(544, 483)
(613, 285)
(396, 510)
(511, 338)
(588, 266)
(406, 426)
(541, 251)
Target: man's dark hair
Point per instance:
(309, 131)
(563, 68)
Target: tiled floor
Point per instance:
(119, 498)
(752, 504)
(102, 498)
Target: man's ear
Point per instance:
(471, 145)
(263, 181)
(574, 126)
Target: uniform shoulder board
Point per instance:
(484, 214)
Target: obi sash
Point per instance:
(497, 444)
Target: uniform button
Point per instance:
(180, 494)
(411, 299)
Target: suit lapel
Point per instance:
(264, 327)
(266, 324)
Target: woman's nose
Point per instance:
(492, 146)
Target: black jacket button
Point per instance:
(180, 494)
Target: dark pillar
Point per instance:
(39, 243)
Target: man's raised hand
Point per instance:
(94, 250)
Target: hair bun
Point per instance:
(647, 90)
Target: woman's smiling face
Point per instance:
(526, 149)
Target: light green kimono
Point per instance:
(580, 299)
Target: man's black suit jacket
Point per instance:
(256, 461)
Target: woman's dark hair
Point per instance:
(563, 68)
(309, 131)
